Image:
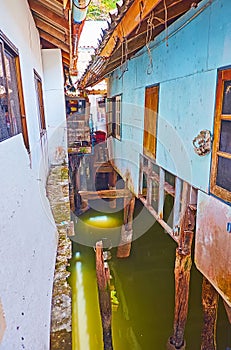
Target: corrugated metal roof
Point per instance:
(136, 22)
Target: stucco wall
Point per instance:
(28, 247)
(27, 230)
(185, 66)
(55, 109)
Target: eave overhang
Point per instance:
(58, 28)
(136, 24)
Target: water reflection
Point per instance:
(86, 326)
(143, 287)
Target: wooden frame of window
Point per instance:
(13, 116)
(114, 117)
(220, 184)
(41, 113)
(109, 117)
(150, 120)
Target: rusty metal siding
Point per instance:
(213, 243)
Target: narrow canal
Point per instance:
(142, 287)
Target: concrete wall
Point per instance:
(27, 230)
(185, 66)
(55, 108)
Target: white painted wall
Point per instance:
(27, 230)
(55, 109)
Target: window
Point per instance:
(12, 109)
(221, 158)
(41, 114)
(114, 117)
(150, 121)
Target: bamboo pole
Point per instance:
(210, 299)
(103, 282)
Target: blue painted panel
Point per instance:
(186, 106)
(219, 53)
(186, 69)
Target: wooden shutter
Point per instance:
(150, 121)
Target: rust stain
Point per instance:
(213, 244)
(2, 322)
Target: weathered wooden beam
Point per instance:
(103, 282)
(56, 42)
(112, 186)
(124, 247)
(126, 26)
(61, 35)
(228, 310)
(183, 265)
(152, 211)
(41, 10)
(161, 193)
(210, 306)
(105, 194)
(105, 169)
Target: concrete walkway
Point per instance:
(58, 195)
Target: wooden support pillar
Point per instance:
(72, 199)
(112, 186)
(103, 282)
(210, 299)
(83, 183)
(183, 264)
(228, 310)
(124, 247)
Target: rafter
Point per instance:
(43, 11)
(51, 30)
(56, 42)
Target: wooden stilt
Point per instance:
(72, 199)
(228, 310)
(112, 186)
(83, 184)
(182, 278)
(103, 281)
(124, 247)
(210, 305)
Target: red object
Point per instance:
(100, 136)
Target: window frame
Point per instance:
(40, 103)
(8, 48)
(224, 194)
(149, 139)
(113, 114)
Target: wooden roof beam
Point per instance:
(46, 27)
(138, 11)
(45, 12)
(56, 42)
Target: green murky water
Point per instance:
(143, 303)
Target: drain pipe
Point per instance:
(79, 12)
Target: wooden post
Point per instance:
(228, 310)
(124, 247)
(183, 264)
(103, 282)
(112, 186)
(210, 305)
